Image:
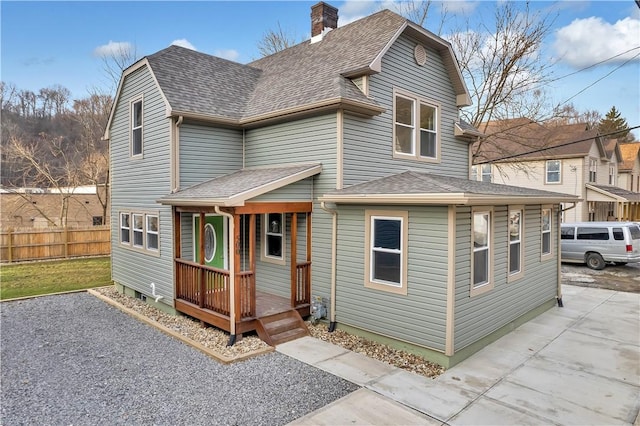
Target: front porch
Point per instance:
(234, 298)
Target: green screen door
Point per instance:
(213, 241)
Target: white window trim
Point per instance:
(403, 217)
(593, 168)
(512, 276)
(415, 139)
(134, 230)
(546, 172)
(482, 173)
(141, 248)
(122, 228)
(282, 260)
(148, 232)
(545, 256)
(478, 289)
(139, 98)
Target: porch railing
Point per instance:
(246, 282)
(303, 283)
(208, 288)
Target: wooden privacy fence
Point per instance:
(54, 243)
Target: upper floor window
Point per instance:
(273, 237)
(593, 170)
(612, 175)
(386, 251)
(136, 127)
(486, 173)
(482, 252)
(415, 128)
(552, 171)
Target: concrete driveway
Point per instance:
(575, 365)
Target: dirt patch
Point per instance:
(612, 277)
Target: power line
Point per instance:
(508, 157)
(594, 65)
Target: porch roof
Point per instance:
(237, 187)
(611, 193)
(414, 187)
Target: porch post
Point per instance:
(308, 268)
(177, 252)
(203, 284)
(238, 296)
(294, 259)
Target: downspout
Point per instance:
(559, 257)
(232, 278)
(334, 235)
(243, 147)
(176, 155)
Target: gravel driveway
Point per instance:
(72, 359)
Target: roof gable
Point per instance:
(526, 140)
(629, 154)
(304, 77)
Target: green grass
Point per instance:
(30, 279)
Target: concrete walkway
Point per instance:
(575, 365)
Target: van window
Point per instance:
(593, 234)
(618, 235)
(567, 233)
(635, 232)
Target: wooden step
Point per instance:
(281, 327)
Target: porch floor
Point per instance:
(270, 304)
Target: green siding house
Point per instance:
(334, 171)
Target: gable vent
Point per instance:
(420, 55)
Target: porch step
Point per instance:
(281, 327)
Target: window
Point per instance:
(415, 128)
(482, 252)
(125, 228)
(138, 230)
(546, 232)
(486, 173)
(136, 128)
(152, 232)
(515, 242)
(600, 234)
(553, 171)
(593, 169)
(386, 251)
(612, 175)
(274, 236)
(567, 233)
(618, 234)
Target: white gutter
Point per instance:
(232, 275)
(334, 240)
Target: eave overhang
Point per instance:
(459, 198)
(238, 198)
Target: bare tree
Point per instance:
(116, 60)
(92, 114)
(419, 13)
(45, 163)
(568, 114)
(274, 41)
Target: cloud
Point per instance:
(587, 41)
(114, 48)
(183, 42)
(229, 54)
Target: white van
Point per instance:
(597, 243)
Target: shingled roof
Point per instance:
(413, 187)
(303, 77)
(524, 139)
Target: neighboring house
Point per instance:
(629, 167)
(39, 208)
(570, 159)
(335, 170)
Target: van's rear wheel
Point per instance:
(595, 261)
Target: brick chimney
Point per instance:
(323, 16)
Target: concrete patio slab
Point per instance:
(486, 411)
(311, 350)
(355, 367)
(365, 407)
